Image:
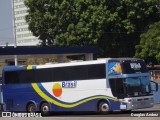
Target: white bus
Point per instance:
(99, 85)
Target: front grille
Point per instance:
(139, 99)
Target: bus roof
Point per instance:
(73, 63)
(99, 61)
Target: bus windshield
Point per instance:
(130, 87)
(137, 86)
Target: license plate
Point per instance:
(123, 107)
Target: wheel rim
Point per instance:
(31, 108)
(104, 107)
(45, 108)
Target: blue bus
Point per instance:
(102, 85)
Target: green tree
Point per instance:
(127, 20)
(113, 25)
(149, 47)
(66, 22)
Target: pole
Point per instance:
(14, 33)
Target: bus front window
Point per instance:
(132, 86)
(138, 86)
(145, 85)
(129, 87)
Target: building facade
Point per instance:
(24, 37)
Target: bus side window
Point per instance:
(11, 77)
(117, 87)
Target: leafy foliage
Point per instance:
(128, 19)
(149, 46)
(113, 25)
(66, 22)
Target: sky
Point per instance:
(6, 22)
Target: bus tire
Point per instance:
(103, 107)
(31, 108)
(45, 109)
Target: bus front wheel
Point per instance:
(103, 107)
(45, 109)
(31, 108)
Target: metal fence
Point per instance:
(155, 76)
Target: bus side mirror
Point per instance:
(154, 86)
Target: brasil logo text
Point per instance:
(69, 84)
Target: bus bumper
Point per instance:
(140, 103)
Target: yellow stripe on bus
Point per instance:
(47, 98)
(29, 67)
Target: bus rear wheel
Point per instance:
(31, 108)
(103, 107)
(45, 109)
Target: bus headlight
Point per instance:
(130, 100)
